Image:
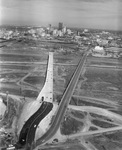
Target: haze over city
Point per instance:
(99, 14)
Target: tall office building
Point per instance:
(64, 30)
(50, 26)
(60, 26)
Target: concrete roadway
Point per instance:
(64, 103)
(47, 91)
(27, 133)
(34, 125)
(24, 130)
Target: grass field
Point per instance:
(27, 79)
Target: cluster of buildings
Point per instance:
(106, 52)
(107, 45)
(102, 43)
(8, 34)
(48, 33)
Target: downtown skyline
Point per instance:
(99, 14)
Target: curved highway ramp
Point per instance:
(27, 133)
(44, 104)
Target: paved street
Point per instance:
(64, 103)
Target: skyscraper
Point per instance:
(60, 26)
(50, 26)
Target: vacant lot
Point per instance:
(70, 126)
(62, 76)
(18, 67)
(104, 80)
(83, 102)
(101, 83)
(108, 141)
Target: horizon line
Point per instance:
(39, 26)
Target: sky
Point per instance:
(100, 14)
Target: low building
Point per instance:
(98, 49)
(69, 31)
(60, 33)
(102, 42)
(98, 52)
(114, 49)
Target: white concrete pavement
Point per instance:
(47, 91)
(2, 108)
